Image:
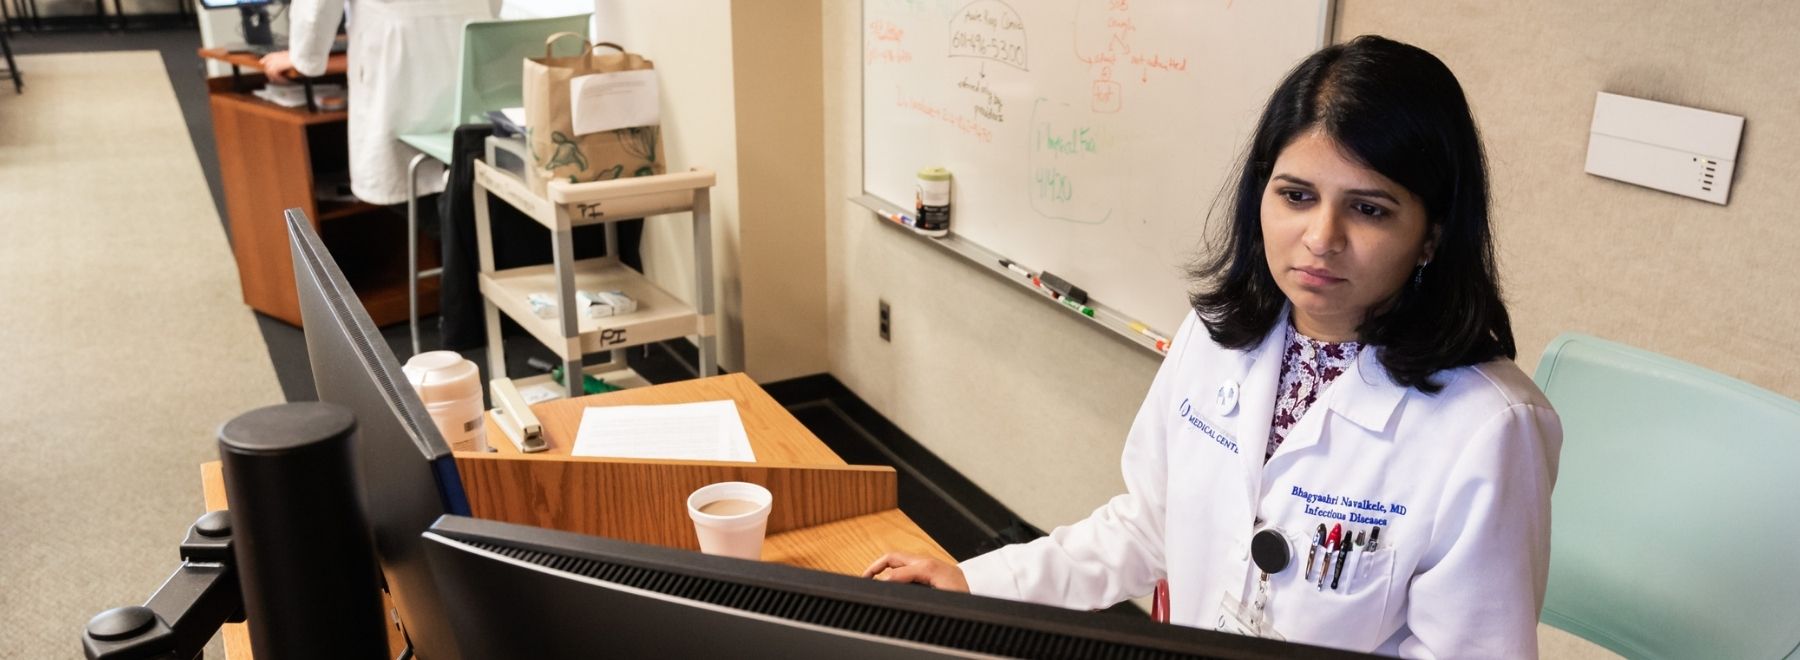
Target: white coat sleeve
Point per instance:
(1116, 553)
(1480, 584)
(312, 26)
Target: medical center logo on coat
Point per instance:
(1186, 411)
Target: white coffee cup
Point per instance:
(731, 518)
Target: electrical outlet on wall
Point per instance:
(884, 321)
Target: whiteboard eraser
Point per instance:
(1667, 147)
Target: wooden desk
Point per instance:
(269, 160)
(775, 435)
(844, 545)
(337, 64)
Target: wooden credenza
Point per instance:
(270, 160)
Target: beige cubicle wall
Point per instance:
(1718, 286)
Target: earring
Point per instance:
(1418, 276)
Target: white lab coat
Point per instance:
(1459, 481)
(404, 63)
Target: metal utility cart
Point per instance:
(571, 335)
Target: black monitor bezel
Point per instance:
(345, 347)
(456, 533)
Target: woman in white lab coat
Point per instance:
(403, 59)
(1346, 373)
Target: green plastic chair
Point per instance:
(1672, 529)
(491, 78)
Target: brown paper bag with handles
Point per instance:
(557, 153)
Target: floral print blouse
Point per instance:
(1307, 367)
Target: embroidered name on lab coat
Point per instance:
(1323, 505)
(1186, 411)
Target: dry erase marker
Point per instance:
(1079, 308)
(903, 219)
(1162, 344)
(1021, 272)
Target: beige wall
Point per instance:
(781, 162)
(1711, 285)
(690, 42)
(741, 95)
(1034, 407)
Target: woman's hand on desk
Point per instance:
(277, 66)
(903, 567)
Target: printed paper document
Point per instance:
(705, 431)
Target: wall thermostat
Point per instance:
(1668, 147)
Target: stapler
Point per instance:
(514, 417)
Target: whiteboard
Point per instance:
(1088, 138)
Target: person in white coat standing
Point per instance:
(1338, 449)
(403, 58)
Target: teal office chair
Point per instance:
(1672, 529)
(493, 63)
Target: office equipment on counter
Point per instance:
(514, 417)
(1087, 138)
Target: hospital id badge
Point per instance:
(1239, 617)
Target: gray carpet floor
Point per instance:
(125, 337)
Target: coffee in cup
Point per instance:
(731, 518)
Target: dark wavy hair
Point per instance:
(1399, 111)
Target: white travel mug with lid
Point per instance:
(450, 386)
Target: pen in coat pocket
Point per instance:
(1331, 544)
(1343, 555)
(1318, 539)
(1358, 549)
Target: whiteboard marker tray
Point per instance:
(659, 315)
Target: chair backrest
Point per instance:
(493, 56)
(1672, 528)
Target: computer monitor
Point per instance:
(404, 468)
(525, 592)
(258, 36)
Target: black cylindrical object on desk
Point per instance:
(303, 553)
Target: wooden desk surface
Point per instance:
(846, 546)
(775, 435)
(337, 63)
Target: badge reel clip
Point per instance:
(1272, 554)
